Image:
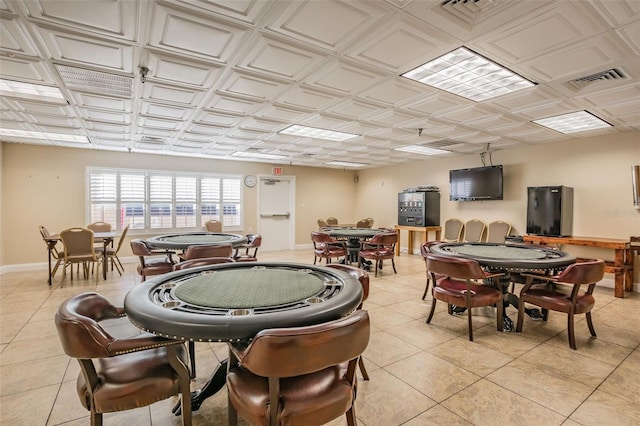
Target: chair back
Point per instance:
(122, 237)
(383, 238)
(294, 351)
(454, 267)
(357, 273)
(213, 225)
(332, 221)
(321, 237)
(44, 232)
(473, 231)
(425, 248)
(208, 250)
(322, 223)
(99, 227)
(139, 248)
(588, 272)
(253, 241)
(453, 230)
(370, 220)
(194, 263)
(77, 324)
(77, 242)
(363, 223)
(497, 231)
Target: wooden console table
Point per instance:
(413, 229)
(622, 266)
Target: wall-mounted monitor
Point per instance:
(476, 184)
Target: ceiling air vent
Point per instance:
(96, 82)
(612, 74)
(152, 140)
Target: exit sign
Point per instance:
(276, 171)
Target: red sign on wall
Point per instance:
(276, 171)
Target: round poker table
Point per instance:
(183, 240)
(353, 236)
(234, 301)
(508, 257)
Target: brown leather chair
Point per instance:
(120, 374)
(299, 375)
(362, 276)
(327, 247)
(150, 261)
(425, 249)
(562, 293)
(208, 250)
(461, 285)
(254, 241)
(378, 248)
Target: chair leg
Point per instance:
(363, 370)
(470, 325)
(570, 331)
(192, 358)
(433, 309)
(96, 419)
(590, 324)
(351, 416)
(520, 316)
(232, 414)
(393, 263)
(426, 288)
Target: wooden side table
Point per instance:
(411, 230)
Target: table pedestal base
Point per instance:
(213, 385)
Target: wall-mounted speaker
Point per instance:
(635, 183)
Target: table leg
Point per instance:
(216, 382)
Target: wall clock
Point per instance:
(250, 181)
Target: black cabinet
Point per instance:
(421, 208)
(550, 210)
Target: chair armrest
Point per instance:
(141, 342)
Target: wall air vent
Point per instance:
(96, 82)
(608, 75)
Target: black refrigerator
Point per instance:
(550, 210)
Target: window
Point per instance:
(150, 200)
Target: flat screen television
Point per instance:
(475, 184)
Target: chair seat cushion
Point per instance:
(557, 300)
(315, 398)
(155, 267)
(453, 291)
(132, 380)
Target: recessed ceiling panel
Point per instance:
(180, 71)
(171, 94)
(14, 38)
(342, 77)
(25, 70)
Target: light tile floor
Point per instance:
(420, 374)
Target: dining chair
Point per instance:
(563, 293)
(362, 223)
(79, 250)
(322, 223)
(298, 375)
(461, 284)
(497, 231)
(327, 247)
(99, 227)
(453, 230)
(332, 221)
(254, 241)
(111, 255)
(57, 255)
(213, 226)
(473, 231)
(152, 262)
(378, 248)
(362, 277)
(119, 374)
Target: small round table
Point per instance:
(186, 239)
(234, 301)
(507, 259)
(354, 237)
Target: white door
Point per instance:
(276, 201)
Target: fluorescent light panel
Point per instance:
(32, 91)
(41, 135)
(345, 164)
(579, 121)
(467, 74)
(313, 132)
(419, 149)
(260, 155)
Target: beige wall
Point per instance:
(45, 185)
